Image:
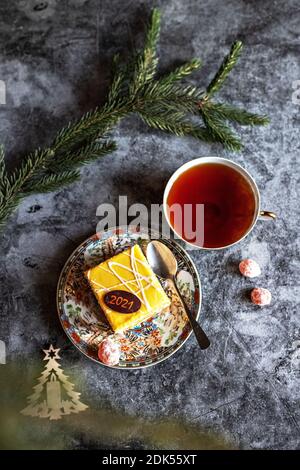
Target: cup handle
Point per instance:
(267, 215)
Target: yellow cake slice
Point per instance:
(127, 289)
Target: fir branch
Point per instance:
(38, 159)
(2, 162)
(152, 37)
(183, 99)
(220, 132)
(171, 97)
(91, 126)
(147, 60)
(176, 126)
(180, 72)
(7, 205)
(11, 185)
(61, 172)
(241, 116)
(226, 67)
(119, 77)
(159, 89)
(51, 182)
(83, 156)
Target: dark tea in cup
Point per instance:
(229, 198)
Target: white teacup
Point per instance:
(258, 213)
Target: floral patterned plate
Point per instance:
(83, 321)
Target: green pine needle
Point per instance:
(177, 126)
(31, 164)
(147, 60)
(240, 116)
(50, 183)
(7, 206)
(115, 87)
(181, 72)
(83, 156)
(226, 67)
(152, 37)
(220, 132)
(2, 162)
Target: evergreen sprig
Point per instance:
(161, 101)
(220, 131)
(147, 60)
(240, 116)
(2, 162)
(51, 182)
(227, 65)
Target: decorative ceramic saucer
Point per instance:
(150, 342)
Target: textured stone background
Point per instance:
(55, 63)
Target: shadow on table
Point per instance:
(93, 428)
